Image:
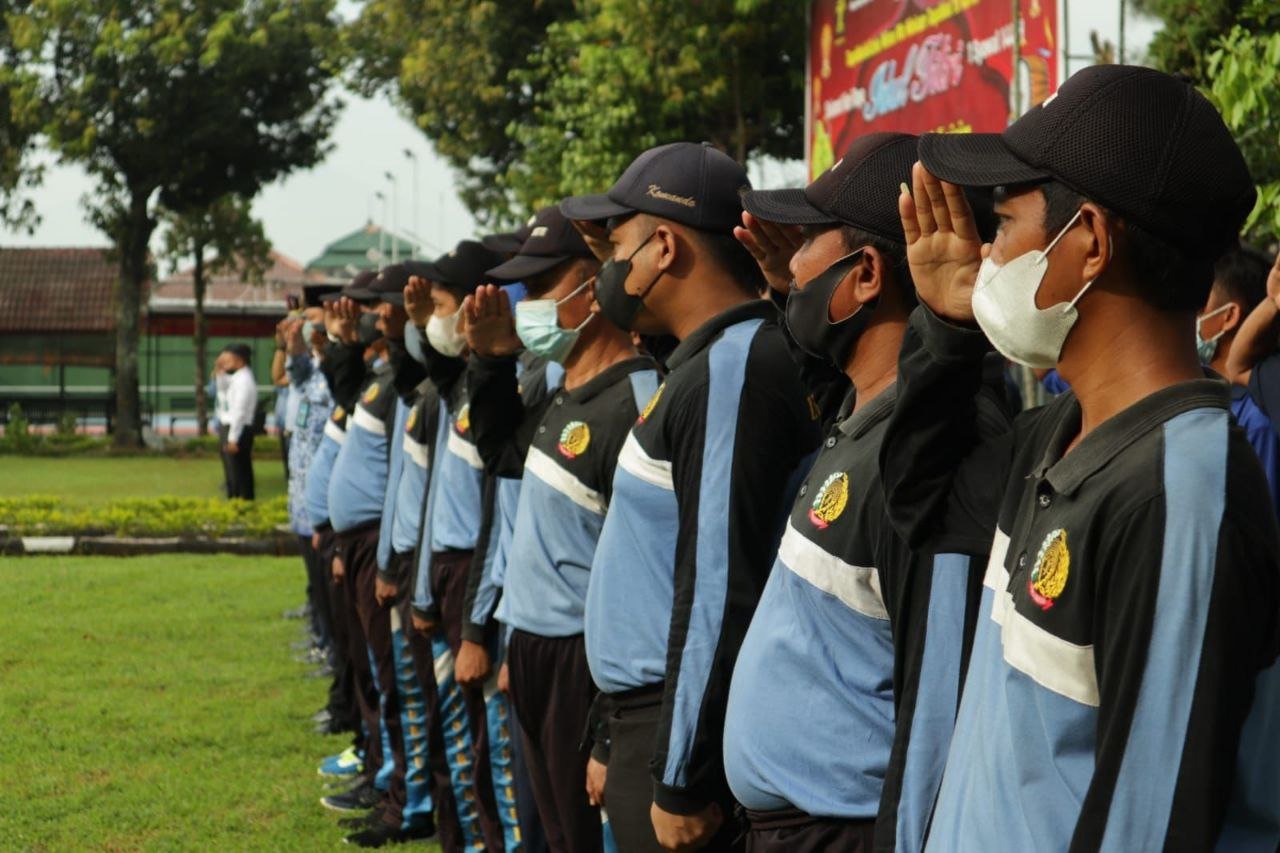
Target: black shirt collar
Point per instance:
(1066, 473)
(860, 422)
(608, 377)
(702, 336)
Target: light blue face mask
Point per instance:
(538, 325)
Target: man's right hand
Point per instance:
(943, 246)
(489, 324)
(417, 301)
(346, 313)
(338, 568)
(293, 337)
(423, 626)
(596, 775)
(596, 236)
(772, 246)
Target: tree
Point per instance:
(228, 230)
(179, 102)
(613, 83)
(450, 65)
(1192, 28)
(20, 113)
(532, 101)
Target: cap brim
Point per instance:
(976, 160)
(362, 295)
(504, 244)
(785, 207)
(522, 267)
(592, 208)
(334, 296)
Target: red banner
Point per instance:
(923, 65)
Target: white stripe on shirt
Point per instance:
(858, 587)
(545, 469)
(639, 464)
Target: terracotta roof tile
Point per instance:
(56, 290)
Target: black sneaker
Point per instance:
(382, 835)
(364, 821)
(360, 798)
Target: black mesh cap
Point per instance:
(463, 268)
(552, 240)
(388, 285)
(1142, 143)
(358, 290)
(508, 242)
(861, 189)
(686, 182)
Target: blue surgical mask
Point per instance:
(538, 325)
(1208, 349)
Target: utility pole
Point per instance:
(413, 158)
(382, 230)
(395, 219)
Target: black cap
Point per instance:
(313, 295)
(388, 285)
(357, 290)
(508, 242)
(861, 189)
(552, 241)
(686, 182)
(463, 268)
(1142, 143)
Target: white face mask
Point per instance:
(1004, 304)
(1208, 348)
(444, 336)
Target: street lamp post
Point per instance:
(382, 228)
(413, 158)
(395, 219)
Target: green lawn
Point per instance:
(95, 480)
(153, 703)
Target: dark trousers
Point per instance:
(317, 594)
(552, 691)
(448, 830)
(793, 831)
(375, 621)
(449, 588)
(342, 703)
(238, 467)
(628, 787)
(354, 547)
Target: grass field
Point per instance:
(93, 480)
(153, 703)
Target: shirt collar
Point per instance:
(860, 422)
(1066, 473)
(608, 377)
(702, 337)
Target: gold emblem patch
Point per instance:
(411, 421)
(574, 439)
(463, 422)
(370, 394)
(830, 501)
(1049, 577)
(653, 403)
(338, 414)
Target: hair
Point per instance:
(894, 252)
(240, 351)
(1241, 276)
(731, 256)
(1167, 277)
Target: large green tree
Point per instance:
(223, 237)
(450, 65)
(19, 124)
(533, 101)
(1191, 30)
(176, 103)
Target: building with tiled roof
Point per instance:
(359, 251)
(227, 292)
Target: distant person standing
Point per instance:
(235, 432)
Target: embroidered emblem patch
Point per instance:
(1049, 576)
(574, 439)
(463, 422)
(653, 403)
(370, 394)
(830, 501)
(411, 421)
(338, 414)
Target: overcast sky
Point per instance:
(310, 209)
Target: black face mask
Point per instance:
(618, 306)
(808, 313)
(367, 328)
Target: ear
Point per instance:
(861, 285)
(1099, 248)
(669, 245)
(1231, 317)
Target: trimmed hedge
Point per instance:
(62, 444)
(42, 515)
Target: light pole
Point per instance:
(382, 228)
(413, 158)
(395, 219)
